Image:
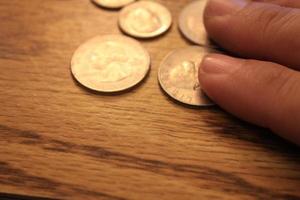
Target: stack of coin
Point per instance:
(113, 63)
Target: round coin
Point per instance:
(110, 63)
(191, 23)
(178, 75)
(145, 19)
(112, 3)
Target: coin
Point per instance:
(191, 23)
(178, 75)
(145, 19)
(112, 3)
(110, 63)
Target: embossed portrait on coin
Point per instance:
(111, 62)
(144, 20)
(185, 75)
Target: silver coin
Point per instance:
(112, 3)
(110, 63)
(145, 19)
(178, 75)
(191, 23)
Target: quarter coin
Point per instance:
(145, 19)
(178, 75)
(191, 23)
(110, 63)
(112, 3)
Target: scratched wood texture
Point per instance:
(59, 140)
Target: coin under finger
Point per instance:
(145, 19)
(112, 3)
(178, 75)
(110, 63)
(191, 23)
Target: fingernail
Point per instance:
(219, 64)
(224, 7)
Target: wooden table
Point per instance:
(59, 140)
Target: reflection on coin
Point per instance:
(191, 22)
(112, 3)
(145, 19)
(178, 75)
(110, 63)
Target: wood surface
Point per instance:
(59, 140)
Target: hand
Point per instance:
(264, 88)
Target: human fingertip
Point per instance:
(217, 8)
(218, 64)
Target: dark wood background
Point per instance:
(60, 140)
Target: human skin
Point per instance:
(262, 83)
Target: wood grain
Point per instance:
(59, 140)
